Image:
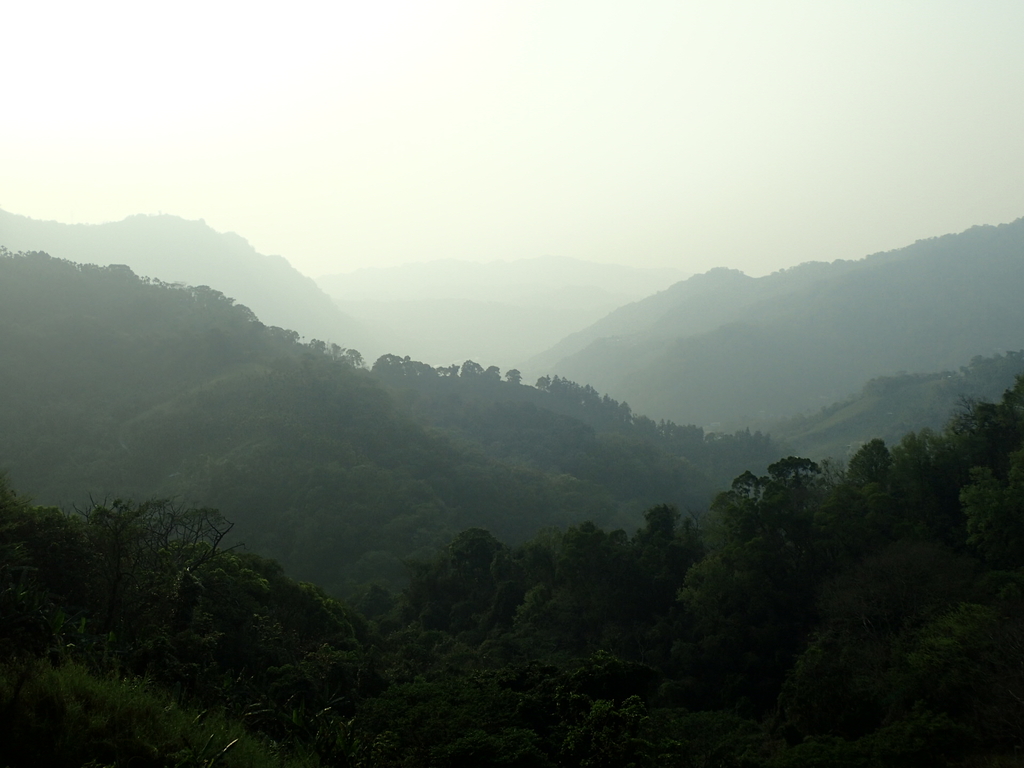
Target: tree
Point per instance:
(870, 464)
(469, 369)
(147, 553)
(753, 599)
(995, 513)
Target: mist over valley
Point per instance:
(497, 313)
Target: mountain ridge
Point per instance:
(177, 250)
(926, 307)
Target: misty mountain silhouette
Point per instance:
(726, 348)
(173, 250)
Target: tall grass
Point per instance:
(65, 716)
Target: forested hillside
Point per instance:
(698, 304)
(121, 386)
(724, 348)
(870, 616)
(559, 425)
(891, 406)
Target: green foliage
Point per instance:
(560, 425)
(751, 599)
(995, 513)
(871, 464)
(562, 593)
(852, 679)
(145, 555)
(448, 720)
(607, 736)
(922, 738)
(67, 716)
(508, 748)
(887, 408)
(710, 738)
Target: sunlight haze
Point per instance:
(661, 134)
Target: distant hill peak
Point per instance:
(720, 275)
(173, 249)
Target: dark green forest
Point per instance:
(468, 570)
(865, 616)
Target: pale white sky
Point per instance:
(753, 135)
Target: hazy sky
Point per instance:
(688, 134)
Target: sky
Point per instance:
(753, 135)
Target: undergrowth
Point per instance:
(65, 716)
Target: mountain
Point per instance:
(115, 386)
(892, 406)
(699, 304)
(726, 349)
(176, 250)
(499, 313)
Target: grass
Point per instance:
(66, 716)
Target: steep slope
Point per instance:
(696, 305)
(175, 250)
(809, 336)
(892, 406)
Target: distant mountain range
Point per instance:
(498, 313)
(723, 349)
(173, 250)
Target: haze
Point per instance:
(662, 134)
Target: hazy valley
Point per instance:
(499, 313)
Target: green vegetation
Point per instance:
(68, 716)
(866, 614)
(560, 426)
(889, 407)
